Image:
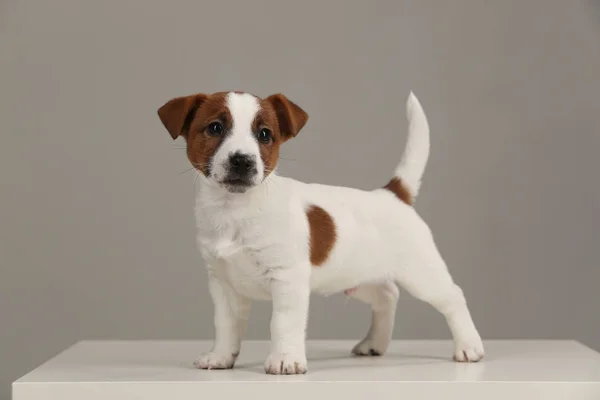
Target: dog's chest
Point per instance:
(247, 276)
(233, 253)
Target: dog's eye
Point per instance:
(215, 129)
(264, 136)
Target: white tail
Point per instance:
(412, 165)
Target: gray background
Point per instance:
(96, 222)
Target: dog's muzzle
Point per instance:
(241, 168)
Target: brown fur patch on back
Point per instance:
(396, 186)
(322, 234)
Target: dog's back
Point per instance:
(371, 232)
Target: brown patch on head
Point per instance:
(190, 117)
(283, 119)
(322, 234)
(269, 150)
(396, 186)
(202, 146)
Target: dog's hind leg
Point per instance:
(431, 282)
(383, 298)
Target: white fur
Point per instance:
(243, 108)
(256, 246)
(416, 153)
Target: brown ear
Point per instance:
(291, 118)
(177, 114)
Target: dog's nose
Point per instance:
(241, 163)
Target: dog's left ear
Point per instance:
(290, 116)
(177, 114)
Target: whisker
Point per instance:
(268, 181)
(188, 170)
(195, 166)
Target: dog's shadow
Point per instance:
(329, 361)
(320, 362)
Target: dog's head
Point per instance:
(233, 138)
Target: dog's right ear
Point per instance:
(177, 114)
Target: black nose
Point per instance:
(241, 163)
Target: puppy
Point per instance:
(266, 237)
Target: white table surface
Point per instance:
(152, 370)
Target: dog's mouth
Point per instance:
(237, 182)
(237, 185)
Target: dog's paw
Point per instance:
(215, 360)
(285, 364)
(469, 351)
(369, 347)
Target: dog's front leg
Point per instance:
(290, 291)
(231, 318)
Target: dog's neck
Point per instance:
(217, 203)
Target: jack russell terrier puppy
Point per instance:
(266, 237)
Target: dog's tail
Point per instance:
(407, 177)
